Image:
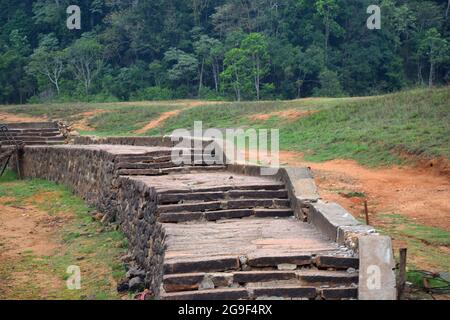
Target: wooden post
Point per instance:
(402, 273)
(19, 159)
(366, 212)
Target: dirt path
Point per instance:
(14, 118)
(166, 115)
(421, 193)
(155, 123)
(26, 230)
(82, 124)
(290, 115)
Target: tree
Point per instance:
(329, 84)
(85, 57)
(207, 52)
(156, 72)
(256, 48)
(328, 11)
(46, 60)
(309, 62)
(236, 72)
(436, 50)
(216, 56)
(183, 67)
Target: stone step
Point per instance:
(140, 172)
(188, 169)
(146, 158)
(283, 291)
(195, 281)
(224, 205)
(35, 143)
(32, 126)
(172, 198)
(224, 188)
(153, 165)
(143, 159)
(266, 280)
(164, 171)
(34, 133)
(144, 166)
(179, 217)
(339, 293)
(336, 262)
(262, 260)
(330, 278)
(273, 213)
(34, 138)
(214, 294)
(206, 264)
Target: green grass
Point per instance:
(426, 249)
(406, 227)
(118, 118)
(372, 130)
(424, 242)
(237, 114)
(125, 120)
(81, 241)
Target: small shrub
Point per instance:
(152, 93)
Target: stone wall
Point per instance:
(125, 201)
(136, 214)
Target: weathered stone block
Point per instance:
(376, 274)
(328, 217)
(256, 260)
(341, 263)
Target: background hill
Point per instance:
(216, 49)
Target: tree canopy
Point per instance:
(219, 49)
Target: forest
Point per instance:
(219, 49)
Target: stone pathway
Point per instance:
(232, 236)
(229, 235)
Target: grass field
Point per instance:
(75, 238)
(372, 130)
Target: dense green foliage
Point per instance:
(236, 49)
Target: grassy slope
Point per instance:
(371, 130)
(82, 242)
(365, 129)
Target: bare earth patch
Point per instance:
(82, 124)
(155, 123)
(290, 115)
(15, 118)
(421, 192)
(26, 230)
(166, 115)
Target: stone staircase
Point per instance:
(231, 236)
(158, 162)
(37, 133)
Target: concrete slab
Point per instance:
(376, 269)
(328, 217)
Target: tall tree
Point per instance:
(436, 49)
(255, 47)
(85, 57)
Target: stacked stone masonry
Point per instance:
(210, 232)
